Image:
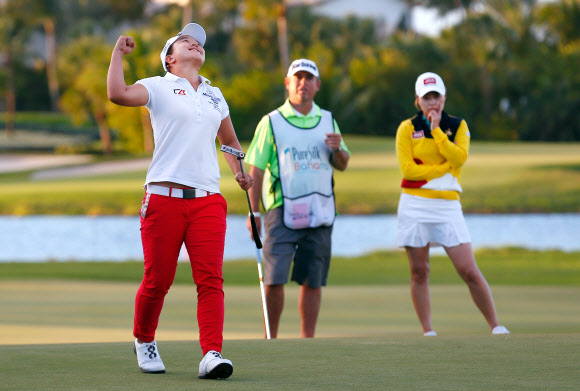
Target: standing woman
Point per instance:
(182, 203)
(431, 148)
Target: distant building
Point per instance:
(388, 14)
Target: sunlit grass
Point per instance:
(508, 266)
(497, 178)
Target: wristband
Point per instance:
(256, 214)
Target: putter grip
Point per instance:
(255, 232)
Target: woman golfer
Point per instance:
(431, 148)
(182, 203)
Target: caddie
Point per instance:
(292, 156)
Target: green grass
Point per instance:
(510, 266)
(525, 362)
(67, 326)
(48, 121)
(63, 335)
(497, 178)
(38, 117)
(41, 312)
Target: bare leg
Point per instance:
(275, 304)
(419, 263)
(464, 262)
(309, 306)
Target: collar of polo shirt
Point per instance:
(172, 77)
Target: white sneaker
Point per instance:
(148, 357)
(500, 330)
(213, 366)
(430, 334)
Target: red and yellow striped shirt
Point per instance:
(430, 162)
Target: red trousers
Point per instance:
(167, 223)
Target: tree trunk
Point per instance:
(10, 95)
(487, 91)
(104, 133)
(283, 45)
(148, 143)
(51, 73)
(283, 38)
(187, 16)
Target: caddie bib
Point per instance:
(305, 171)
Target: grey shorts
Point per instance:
(310, 249)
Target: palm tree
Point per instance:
(44, 13)
(12, 34)
(85, 96)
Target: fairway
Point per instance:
(542, 177)
(67, 335)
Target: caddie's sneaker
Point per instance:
(430, 334)
(213, 366)
(499, 330)
(148, 357)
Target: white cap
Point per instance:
(303, 65)
(193, 30)
(428, 82)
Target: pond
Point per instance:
(117, 238)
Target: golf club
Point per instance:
(256, 235)
(240, 155)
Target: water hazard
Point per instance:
(117, 238)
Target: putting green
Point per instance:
(44, 312)
(369, 338)
(395, 362)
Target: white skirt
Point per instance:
(438, 222)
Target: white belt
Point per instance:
(177, 193)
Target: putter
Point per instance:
(240, 155)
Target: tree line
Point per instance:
(510, 66)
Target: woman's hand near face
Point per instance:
(432, 105)
(434, 117)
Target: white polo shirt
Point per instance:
(185, 125)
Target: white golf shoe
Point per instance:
(430, 334)
(213, 366)
(499, 330)
(148, 357)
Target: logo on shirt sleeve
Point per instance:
(178, 91)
